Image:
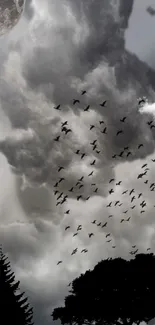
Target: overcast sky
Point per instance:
(57, 49)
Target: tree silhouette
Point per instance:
(13, 309)
(116, 291)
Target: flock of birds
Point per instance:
(61, 198)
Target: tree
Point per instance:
(13, 309)
(116, 291)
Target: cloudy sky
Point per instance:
(57, 49)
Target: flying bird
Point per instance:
(67, 227)
(59, 262)
(82, 155)
(57, 107)
(93, 163)
(87, 108)
(101, 122)
(83, 92)
(75, 101)
(92, 143)
(150, 10)
(79, 197)
(141, 101)
(104, 225)
(67, 212)
(91, 234)
(91, 173)
(92, 126)
(104, 131)
(111, 191)
(68, 130)
(77, 151)
(140, 145)
(123, 119)
(57, 138)
(107, 235)
(103, 104)
(93, 222)
(111, 180)
(60, 168)
(119, 132)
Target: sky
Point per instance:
(57, 49)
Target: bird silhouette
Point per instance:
(98, 151)
(88, 197)
(132, 191)
(77, 151)
(81, 179)
(74, 251)
(111, 180)
(67, 212)
(123, 119)
(87, 108)
(110, 216)
(144, 165)
(121, 154)
(92, 126)
(139, 195)
(59, 196)
(133, 198)
(60, 168)
(126, 148)
(67, 227)
(55, 192)
(107, 235)
(113, 246)
(91, 173)
(109, 205)
(133, 207)
(59, 262)
(119, 183)
(68, 130)
(93, 163)
(129, 153)
(119, 132)
(57, 107)
(95, 191)
(61, 179)
(122, 220)
(56, 184)
(92, 143)
(64, 129)
(108, 241)
(148, 249)
(104, 130)
(81, 186)
(57, 138)
(99, 224)
(101, 122)
(83, 92)
(153, 160)
(140, 145)
(150, 122)
(141, 101)
(93, 222)
(128, 219)
(64, 123)
(75, 101)
(95, 146)
(111, 191)
(125, 211)
(75, 234)
(91, 234)
(82, 155)
(152, 126)
(71, 189)
(104, 225)
(79, 197)
(116, 202)
(114, 156)
(103, 104)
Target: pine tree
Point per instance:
(13, 310)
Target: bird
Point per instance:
(92, 143)
(133, 198)
(61, 179)
(59, 262)
(83, 92)
(99, 224)
(123, 119)
(128, 219)
(103, 104)
(91, 234)
(67, 227)
(75, 101)
(67, 212)
(55, 192)
(109, 205)
(93, 163)
(145, 165)
(150, 122)
(153, 160)
(119, 183)
(64, 129)
(140, 145)
(111, 180)
(125, 192)
(139, 195)
(59, 196)
(108, 241)
(93, 222)
(104, 130)
(116, 202)
(56, 184)
(125, 211)
(113, 246)
(57, 107)
(74, 251)
(139, 176)
(87, 108)
(146, 181)
(142, 211)
(98, 151)
(132, 191)
(119, 132)
(95, 191)
(64, 123)
(141, 101)
(133, 207)
(152, 126)
(101, 122)
(122, 220)
(129, 153)
(75, 234)
(104, 225)
(79, 227)
(81, 179)
(107, 235)
(91, 173)
(95, 146)
(57, 138)
(110, 216)
(111, 191)
(81, 186)
(71, 189)
(92, 126)
(150, 10)
(87, 198)
(68, 130)
(79, 197)
(114, 156)
(121, 154)
(126, 148)
(60, 168)
(77, 151)
(82, 155)
(133, 246)
(148, 249)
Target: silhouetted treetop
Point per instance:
(115, 291)
(13, 308)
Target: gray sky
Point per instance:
(57, 49)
